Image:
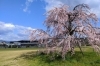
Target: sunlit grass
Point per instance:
(7, 58)
(27, 57)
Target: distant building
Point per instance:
(3, 44)
(23, 43)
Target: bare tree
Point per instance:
(65, 28)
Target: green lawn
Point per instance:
(26, 57)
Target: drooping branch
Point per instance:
(65, 28)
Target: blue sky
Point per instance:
(17, 17)
(13, 11)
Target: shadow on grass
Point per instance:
(88, 58)
(28, 55)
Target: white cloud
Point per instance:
(27, 4)
(30, 0)
(94, 4)
(6, 27)
(52, 3)
(10, 31)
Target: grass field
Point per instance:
(25, 57)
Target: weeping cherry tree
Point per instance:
(66, 28)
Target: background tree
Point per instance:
(65, 28)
